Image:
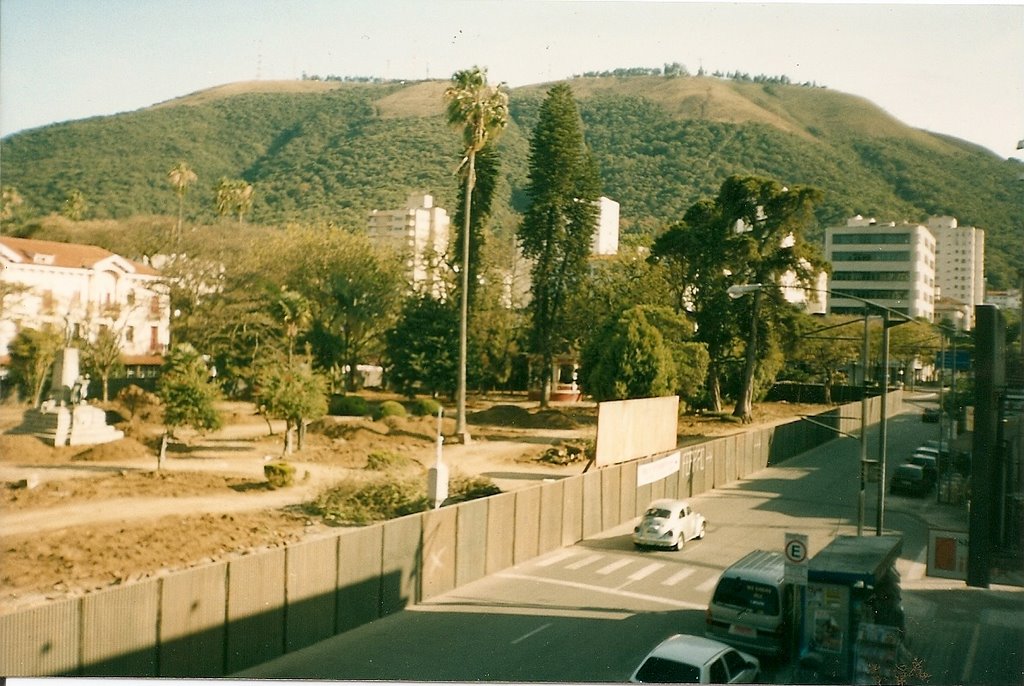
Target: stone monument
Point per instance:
(65, 418)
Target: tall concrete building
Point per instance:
(419, 233)
(960, 263)
(606, 235)
(890, 264)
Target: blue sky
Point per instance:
(953, 69)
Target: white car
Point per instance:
(668, 524)
(683, 659)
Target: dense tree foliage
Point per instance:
(32, 353)
(563, 189)
(291, 390)
(422, 347)
(336, 153)
(187, 390)
(629, 360)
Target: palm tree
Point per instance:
(482, 113)
(234, 196)
(181, 177)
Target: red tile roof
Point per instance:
(72, 255)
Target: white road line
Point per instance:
(670, 602)
(708, 585)
(677, 577)
(614, 566)
(535, 631)
(555, 558)
(646, 571)
(584, 562)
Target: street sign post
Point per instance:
(795, 552)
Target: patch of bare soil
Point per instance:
(74, 520)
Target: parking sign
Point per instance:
(795, 551)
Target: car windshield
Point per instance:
(908, 472)
(760, 599)
(658, 670)
(658, 512)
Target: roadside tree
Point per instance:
(187, 391)
(629, 360)
(482, 113)
(421, 347)
(563, 188)
(102, 358)
(292, 391)
(32, 353)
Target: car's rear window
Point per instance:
(751, 596)
(658, 670)
(657, 512)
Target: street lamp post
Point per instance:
(739, 290)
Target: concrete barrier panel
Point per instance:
(256, 598)
(41, 641)
(360, 576)
(572, 510)
(731, 470)
(119, 631)
(470, 541)
(591, 503)
(551, 497)
(193, 615)
(403, 548)
(526, 543)
(312, 577)
(501, 526)
(439, 527)
(611, 484)
(627, 494)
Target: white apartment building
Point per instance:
(959, 263)
(890, 264)
(80, 290)
(419, 233)
(605, 240)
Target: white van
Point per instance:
(753, 608)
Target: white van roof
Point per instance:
(766, 566)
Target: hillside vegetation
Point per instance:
(330, 151)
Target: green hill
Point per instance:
(330, 151)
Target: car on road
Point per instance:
(927, 462)
(910, 479)
(668, 523)
(685, 659)
(930, 415)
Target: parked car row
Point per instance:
(919, 474)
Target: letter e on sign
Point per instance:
(795, 551)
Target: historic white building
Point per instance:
(419, 232)
(890, 264)
(960, 263)
(80, 290)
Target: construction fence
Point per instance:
(218, 619)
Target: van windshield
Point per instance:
(751, 596)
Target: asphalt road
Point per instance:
(590, 612)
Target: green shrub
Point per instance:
(279, 474)
(463, 488)
(382, 461)
(349, 406)
(425, 407)
(390, 408)
(379, 500)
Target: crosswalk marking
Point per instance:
(708, 585)
(614, 566)
(646, 571)
(584, 562)
(555, 558)
(677, 577)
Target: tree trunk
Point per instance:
(162, 455)
(714, 388)
(745, 404)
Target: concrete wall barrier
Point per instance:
(218, 619)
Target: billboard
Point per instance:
(628, 429)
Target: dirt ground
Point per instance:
(79, 519)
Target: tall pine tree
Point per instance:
(563, 189)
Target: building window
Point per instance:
(881, 256)
(129, 334)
